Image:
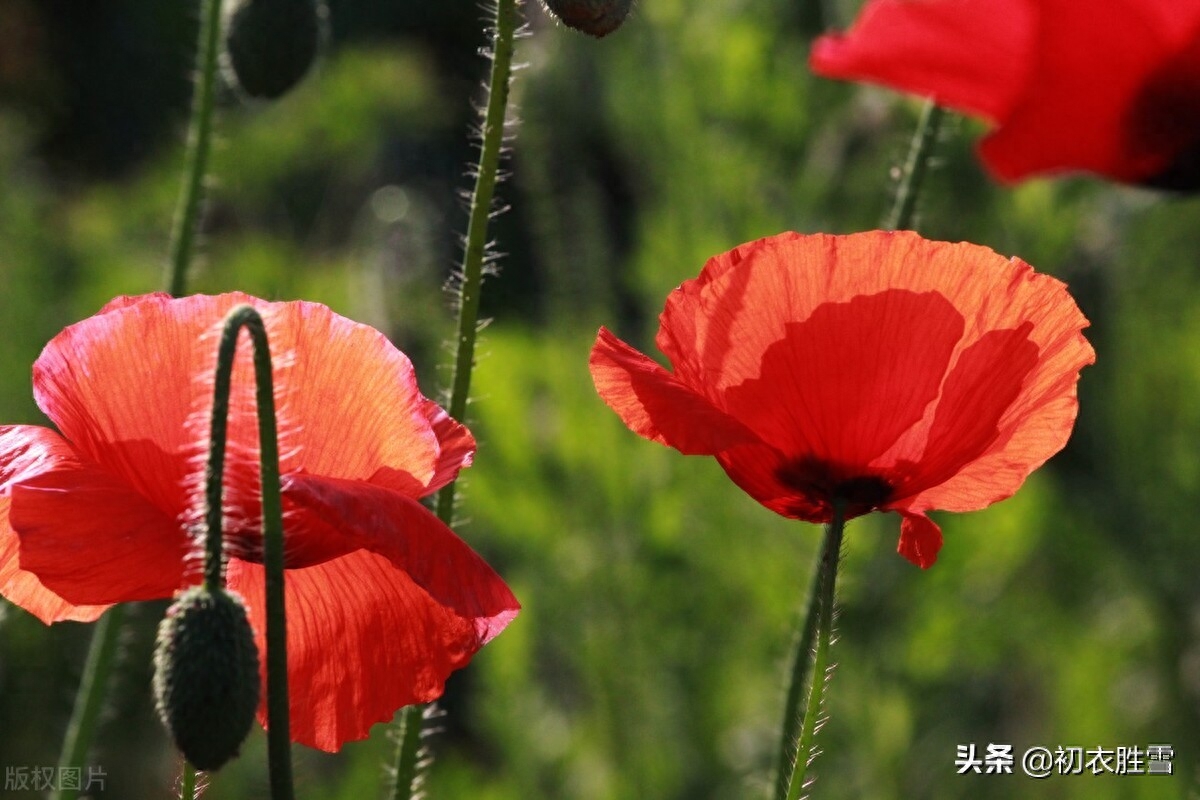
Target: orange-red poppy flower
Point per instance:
(383, 600)
(879, 369)
(1071, 85)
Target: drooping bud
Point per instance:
(271, 44)
(206, 681)
(595, 17)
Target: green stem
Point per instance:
(471, 279)
(801, 658)
(818, 677)
(279, 753)
(101, 659)
(407, 764)
(187, 782)
(199, 145)
(915, 167)
(405, 782)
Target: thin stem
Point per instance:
(406, 766)
(199, 144)
(187, 782)
(801, 658)
(408, 752)
(830, 554)
(901, 216)
(101, 658)
(279, 753)
(471, 280)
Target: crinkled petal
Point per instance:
(25, 452)
(971, 55)
(363, 640)
(920, 539)
(657, 405)
(407, 533)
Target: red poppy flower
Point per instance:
(1070, 85)
(879, 369)
(383, 600)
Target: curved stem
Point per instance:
(901, 216)
(819, 676)
(407, 763)
(199, 144)
(279, 752)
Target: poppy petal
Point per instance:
(346, 398)
(844, 384)
(25, 452)
(920, 539)
(411, 537)
(1089, 67)
(363, 640)
(971, 55)
(93, 540)
(91, 381)
(657, 405)
(757, 469)
(716, 328)
(1017, 439)
(457, 446)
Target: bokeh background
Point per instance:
(660, 602)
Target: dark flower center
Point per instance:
(1164, 119)
(818, 483)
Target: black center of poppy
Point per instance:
(1164, 119)
(817, 483)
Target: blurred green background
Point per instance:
(660, 601)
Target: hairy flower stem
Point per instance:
(471, 279)
(794, 761)
(279, 753)
(102, 652)
(199, 144)
(187, 782)
(407, 762)
(901, 215)
(801, 659)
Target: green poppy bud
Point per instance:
(596, 17)
(206, 678)
(270, 44)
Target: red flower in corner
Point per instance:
(881, 369)
(1112, 89)
(383, 600)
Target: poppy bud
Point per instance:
(595, 17)
(206, 675)
(270, 44)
